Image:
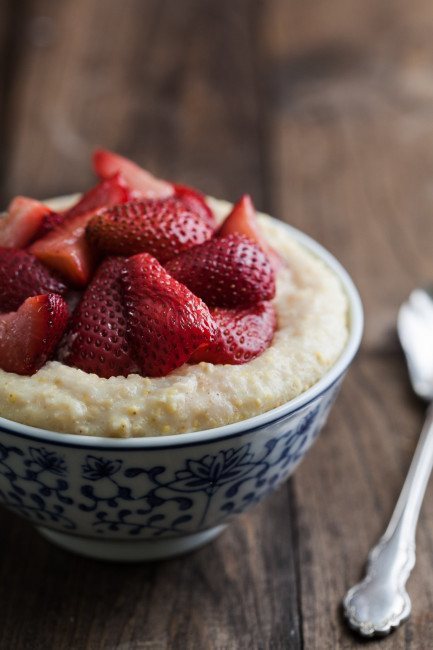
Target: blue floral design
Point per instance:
(211, 472)
(47, 461)
(36, 492)
(97, 468)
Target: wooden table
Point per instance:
(323, 111)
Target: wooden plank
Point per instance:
(351, 163)
(153, 85)
(9, 56)
(349, 115)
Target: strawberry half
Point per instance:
(108, 192)
(22, 221)
(29, 336)
(166, 322)
(106, 164)
(243, 220)
(65, 249)
(48, 223)
(196, 201)
(229, 271)
(22, 276)
(96, 339)
(162, 228)
(242, 335)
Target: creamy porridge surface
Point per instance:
(312, 331)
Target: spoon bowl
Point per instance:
(415, 328)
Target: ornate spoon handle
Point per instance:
(380, 602)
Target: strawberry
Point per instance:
(65, 250)
(242, 335)
(96, 339)
(230, 271)
(166, 322)
(196, 202)
(162, 228)
(22, 276)
(48, 223)
(22, 222)
(29, 336)
(243, 220)
(108, 192)
(106, 164)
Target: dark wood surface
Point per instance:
(323, 111)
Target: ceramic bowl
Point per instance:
(150, 498)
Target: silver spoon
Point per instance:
(380, 602)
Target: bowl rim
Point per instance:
(249, 425)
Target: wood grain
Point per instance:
(322, 111)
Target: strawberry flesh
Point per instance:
(196, 202)
(243, 334)
(166, 322)
(66, 250)
(106, 164)
(23, 276)
(22, 221)
(108, 192)
(163, 228)
(48, 223)
(96, 339)
(243, 220)
(229, 271)
(29, 336)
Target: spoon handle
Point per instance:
(380, 602)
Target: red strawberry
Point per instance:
(243, 220)
(96, 339)
(22, 276)
(106, 164)
(196, 202)
(166, 322)
(108, 192)
(65, 249)
(29, 336)
(22, 222)
(229, 271)
(243, 334)
(162, 228)
(48, 223)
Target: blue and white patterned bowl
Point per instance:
(149, 498)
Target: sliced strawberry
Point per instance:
(29, 336)
(96, 339)
(243, 220)
(106, 164)
(22, 276)
(166, 322)
(108, 192)
(48, 223)
(22, 222)
(242, 335)
(162, 228)
(196, 201)
(65, 249)
(229, 271)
